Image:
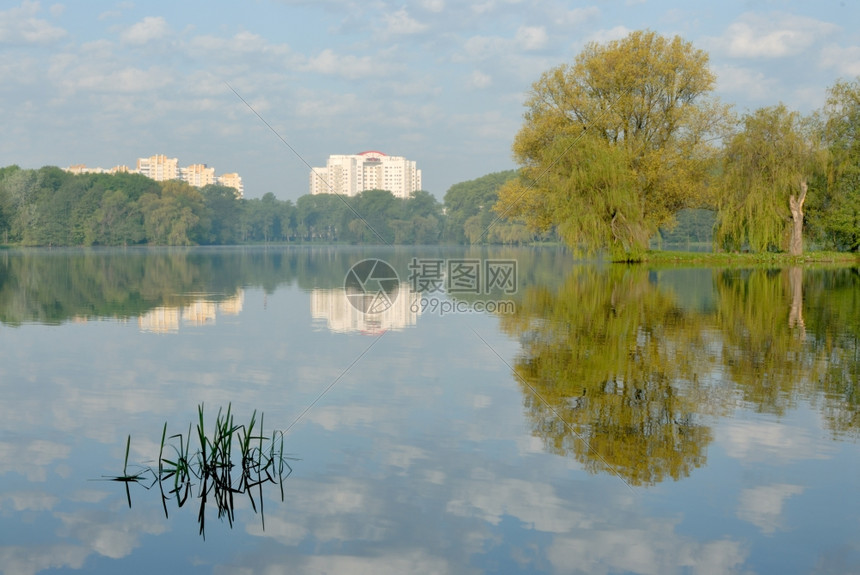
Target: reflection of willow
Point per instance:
(787, 336)
(618, 364)
(764, 351)
(836, 330)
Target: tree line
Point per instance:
(614, 145)
(51, 207)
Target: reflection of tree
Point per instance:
(789, 334)
(764, 349)
(833, 322)
(617, 374)
(619, 365)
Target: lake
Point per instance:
(441, 410)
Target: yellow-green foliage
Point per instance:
(615, 144)
(763, 164)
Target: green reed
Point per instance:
(229, 460)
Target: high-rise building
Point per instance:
(232, 180)
(350, 175)
(198, 175)
(159, 167)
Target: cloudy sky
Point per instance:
(438, 81)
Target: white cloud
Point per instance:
(773, 35)
(746, 82)
(532, 37)
(480, 80)
(844, 59)
(348, 65)
(603, 36)
(433, 5)
(762, 506)
(579, 16)
(147, 30)
(401, 22)
(21, 26)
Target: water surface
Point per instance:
(621, 420)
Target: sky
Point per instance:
(270, 88)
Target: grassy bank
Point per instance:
(671, 258)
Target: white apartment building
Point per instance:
(350, 175)
(159, 167)
(198, 175)
(232, 180)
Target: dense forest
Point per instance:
(51, 207)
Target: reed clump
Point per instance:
(215, 464)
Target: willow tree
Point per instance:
(766, 169)
(615, 144)
(835, 211)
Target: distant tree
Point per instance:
(470, 199)
(224, 211)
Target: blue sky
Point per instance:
(437, 81)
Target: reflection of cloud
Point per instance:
(535, 504)
(762, 506)
(29, 500)
(416, 561)
(31, 459)
(19, 560)
(111, 539)
(652, 550)
(760, 441)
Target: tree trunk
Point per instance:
(795, 203)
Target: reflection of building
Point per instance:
(233, 305)
(202, 312)
(199, 313)
(350, 175)
(160, 320)
(332, 306)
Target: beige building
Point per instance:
(198, 175)
(159, 167)
(350, 175)
(78, 169)
(232, 180)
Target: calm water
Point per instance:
(614, 420)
